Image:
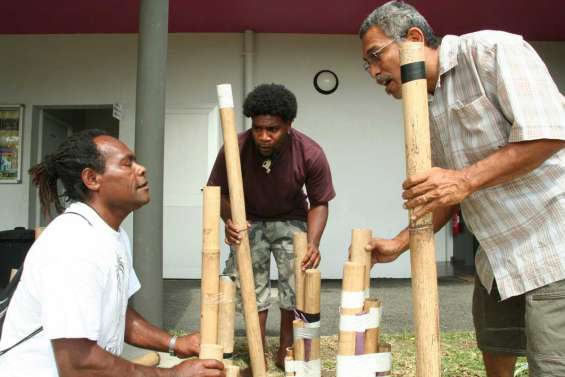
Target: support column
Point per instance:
(248, 52)
(149, 149)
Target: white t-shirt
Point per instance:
(77, 279)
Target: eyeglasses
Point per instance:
(374, 57)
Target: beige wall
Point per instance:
(358, 126)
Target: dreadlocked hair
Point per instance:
(75, 154)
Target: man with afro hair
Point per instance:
(277, 161)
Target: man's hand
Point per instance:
(311, 258)
(384, 251)
(435, 188)
(233, 234)
(188, 345)
(200, 368)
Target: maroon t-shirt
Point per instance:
(277, 193)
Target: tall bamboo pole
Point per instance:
(210, 265)
(300, 245)
(242, 250)
(422, 251)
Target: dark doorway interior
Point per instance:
(58, 123)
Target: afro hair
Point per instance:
(271, 99)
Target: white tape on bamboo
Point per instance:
(310, 368)
(364, 365)
(243, 253)
(352, 300)
(422, 249)
(361, 323)
(225, 97)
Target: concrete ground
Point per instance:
(182, 305)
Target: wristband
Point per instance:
(172, 344)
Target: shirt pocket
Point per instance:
(481, 126)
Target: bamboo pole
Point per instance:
(209, 291)
(371, 335)
(359, 239)
(312, 285)
(423, 261)
(353, 282)
(150, 359)
(300, 244)
(226, 316)
(242, 250)
(211, 351)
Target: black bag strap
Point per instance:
(31, 335)
(17, 278)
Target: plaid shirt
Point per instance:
(493, 90)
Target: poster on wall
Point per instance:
(11, 123)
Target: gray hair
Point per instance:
(395, 18)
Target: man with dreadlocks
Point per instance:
(277, 161)
(71, 305)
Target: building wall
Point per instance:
(359, 127)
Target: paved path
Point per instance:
(182, 306)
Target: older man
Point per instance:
(498, 128)
(69, 315)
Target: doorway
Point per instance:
(51, 126)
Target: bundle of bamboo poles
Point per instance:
(303, 358)
(217, 303)
(359, 351)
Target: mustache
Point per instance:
(383, 78)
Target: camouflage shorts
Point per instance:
(266, 237)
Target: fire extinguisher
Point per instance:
(456, 226)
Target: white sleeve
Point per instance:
(71, 296)
(134, 283)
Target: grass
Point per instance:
(460, 356)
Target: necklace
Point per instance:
(267, 165)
